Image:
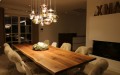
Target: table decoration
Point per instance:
(40, 46)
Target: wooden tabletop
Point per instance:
(54, 60)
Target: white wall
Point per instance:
(103, 28)
(68, 22)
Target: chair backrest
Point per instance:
(47, 42)
(99, 68)
(82, 50)
(54, 44)
(15, 57)
(6, 44)
(66, 46)
(7, 48)
(20, 64)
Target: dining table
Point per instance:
(54, 60)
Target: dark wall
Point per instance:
(2, 27)
(35, 33)
(65, 37)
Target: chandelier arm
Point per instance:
(55, 6)
(31, 5)
(47, 2)
(34, 5)
(50, 3)
(37, 6)
(44, 1)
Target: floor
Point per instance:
(7, 69)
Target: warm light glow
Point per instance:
(48, 21)
(42, 15)
(7, 26)
(32, 14)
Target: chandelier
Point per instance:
(42, 12)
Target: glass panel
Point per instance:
(22, 18)
(14, 29)
(28, 21)
(7, 23)
(22, 29)
(22, 37)
(8, 30)
(14, 37)
(28, 29)
(7, 20)
(22, 21)
(15, 20)
(8, 37)
(29, 36)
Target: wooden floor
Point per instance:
(6, 68)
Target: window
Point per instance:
(17, 29)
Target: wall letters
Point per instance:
(110, 8)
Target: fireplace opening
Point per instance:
(106, 49)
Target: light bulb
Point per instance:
(36, 19)
(55, 20)
(47, 21)
(32, 15)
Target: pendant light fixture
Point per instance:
(42, 12)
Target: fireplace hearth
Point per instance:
(106, 49)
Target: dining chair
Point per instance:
(47, 42)
(66, 46)
(7, 48)
(54, 44)
(96, 69)
(6, 44)
(24, 67)
(82, 50)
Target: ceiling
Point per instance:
(23, 6)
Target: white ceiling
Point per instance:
(23, 5)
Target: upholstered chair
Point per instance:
(7, 48)
(6, 44)
(66, 46)
(54, 44)
(82, 50)
(96, 69)
(24, 67)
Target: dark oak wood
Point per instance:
(2, 31)
(54, 60)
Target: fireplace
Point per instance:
(107, 49)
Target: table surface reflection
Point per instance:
(54, 60)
